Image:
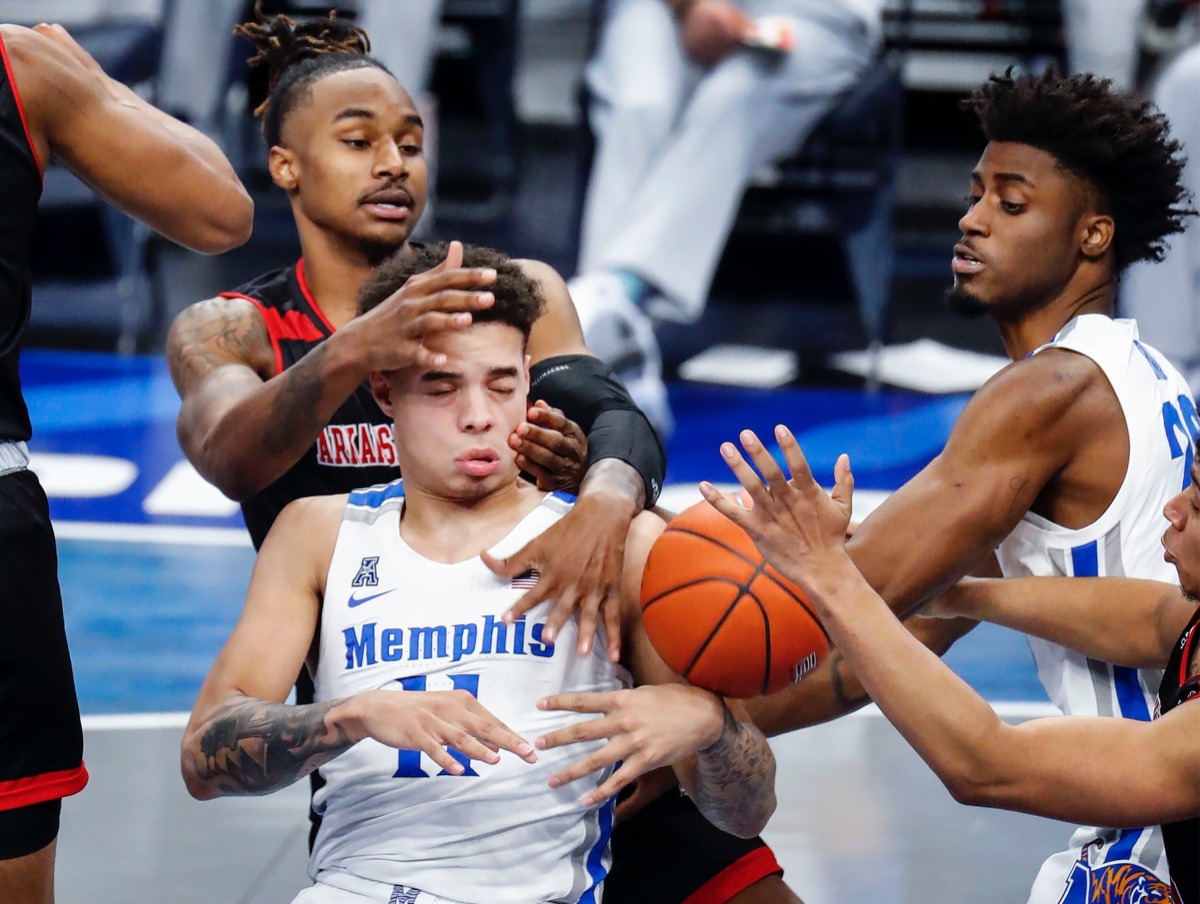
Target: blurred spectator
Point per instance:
(1103, 37)
(1164, 298)
(684, 113)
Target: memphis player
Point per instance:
(1064, 459)
(420, 684)
(1140, 772)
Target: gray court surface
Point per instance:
(860, 819)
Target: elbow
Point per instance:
(196, 785)
(229, 224)
(759, 815)
(225, 472)
(973, 786)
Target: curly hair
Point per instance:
(1120, 147)
(519, 300)
(297, 55)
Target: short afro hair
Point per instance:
(1119, 146)
(519, 300)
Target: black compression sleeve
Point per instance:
(587, 391)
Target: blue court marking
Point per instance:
(146, 620)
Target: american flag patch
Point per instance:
(526, 580)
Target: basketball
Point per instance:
(720, 616)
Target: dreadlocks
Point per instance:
(1120, 147)
(299, 55)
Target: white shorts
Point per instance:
(342, 888)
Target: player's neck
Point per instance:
(1034, 326)
(452, 530)
(334, 272)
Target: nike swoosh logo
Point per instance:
(359, 600)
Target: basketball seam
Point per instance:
(745, 589)
(716, 578)
(803, 605)
(766, 638)
(691, 533)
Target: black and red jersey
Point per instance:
(20, 189)
(355, 449)
(1182, 839)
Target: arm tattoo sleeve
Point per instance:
(735, 778)
(250, 746)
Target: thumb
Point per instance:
(843, 484)
(518, 563)
(454, 256)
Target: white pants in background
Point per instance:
(1164, 298)
(1103, 37)
(676, 144)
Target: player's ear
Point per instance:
(283, 167)
(1098, 232)
(381, 388)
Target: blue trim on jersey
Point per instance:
(1085, 561)
(595, 860)
(1130, 699)
(1122, 848)
(375, 497)
(1158, 371)
(565, 496)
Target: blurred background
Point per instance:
(752, 235)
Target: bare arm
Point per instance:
(1136, 773)
(1013, 437)
(243, 739)
(721, 760)
(138, 158)
(1125, 621)
(242, 425)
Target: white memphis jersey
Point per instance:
(1161, 419)
(394, 619)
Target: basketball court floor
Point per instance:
(154, 563)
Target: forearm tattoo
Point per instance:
(735, 777)
(250, 746)
(844, 697)
(294, 411)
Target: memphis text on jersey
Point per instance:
(368, 644)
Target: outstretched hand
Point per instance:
(579, 561)
(799, 529)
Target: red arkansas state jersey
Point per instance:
(355, 449)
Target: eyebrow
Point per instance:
(1004, 177)
(437, 376)
(354, 113)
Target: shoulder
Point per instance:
(1051, 392)
(557, 331)
(306, 532)
(52, 82)
(230, 327)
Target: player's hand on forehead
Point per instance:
(394, 334)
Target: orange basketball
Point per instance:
(720, 616)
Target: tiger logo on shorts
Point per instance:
(1121, 882)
